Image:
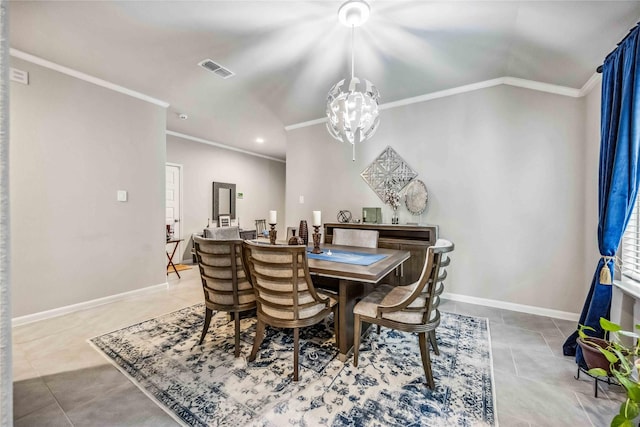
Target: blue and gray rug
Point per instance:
(206, 386)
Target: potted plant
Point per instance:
(617, 360)
(392, 198)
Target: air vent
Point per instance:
(216, 69)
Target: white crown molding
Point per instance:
(220, 145)
(522, 308)
(86, 77)
(305, 124)
(43, 315)
(442, 94)
(542, 87)
(590, 84)
(510, 81)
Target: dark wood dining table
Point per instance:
(352, 283)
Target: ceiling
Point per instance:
(288, 54)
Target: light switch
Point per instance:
(301, 199)
(122, 195)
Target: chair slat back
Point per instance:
(361, 238)
(222, 233)
(280, 276)
(224, 279)
(261, 225)
(425, 295)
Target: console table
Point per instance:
(413, 238)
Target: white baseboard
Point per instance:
(531, 309)
(30, 318)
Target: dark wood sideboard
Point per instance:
(413, 238)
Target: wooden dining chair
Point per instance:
(412, 308)
(361, 238)
(222, 233)
(285, 295)
(225, 282)
(261, 226)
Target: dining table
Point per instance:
(335, 270)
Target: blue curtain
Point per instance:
(619, 174)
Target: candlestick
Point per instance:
(316, 218)
(316, 240)
(273, 217)
(272, 233)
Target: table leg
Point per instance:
(348, 294)
(171, 264)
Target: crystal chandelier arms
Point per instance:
(352, 106)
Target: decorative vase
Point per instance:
(394, 218)
(303, 232)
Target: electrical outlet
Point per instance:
(301, 200)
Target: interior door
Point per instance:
(172, 206)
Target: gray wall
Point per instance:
(73, 145)
(506, 176)
(261, 180)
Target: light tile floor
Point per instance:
(59, 380)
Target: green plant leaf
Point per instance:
(633, 389)
(629, 334)
(620, 421)
(597, 372)
(623, 360)
(629, 410)
(611, 357)
(609, 326)
(634, 393)
(582, 328)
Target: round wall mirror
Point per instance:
(416, 196)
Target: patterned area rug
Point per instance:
(206, 386)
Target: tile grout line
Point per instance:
(513, 360)
(558, 328)
(57, 402)
(583, 410)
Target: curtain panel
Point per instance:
(618, 177)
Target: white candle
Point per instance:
(316, 218)
(273, 217)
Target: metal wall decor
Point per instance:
(388, 171)
(344, 216)
(416, 196)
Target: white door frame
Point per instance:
(180, 246)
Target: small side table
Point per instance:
(175, 242)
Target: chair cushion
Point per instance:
(305, 313)
(388, 295)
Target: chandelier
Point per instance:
(352, 106)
